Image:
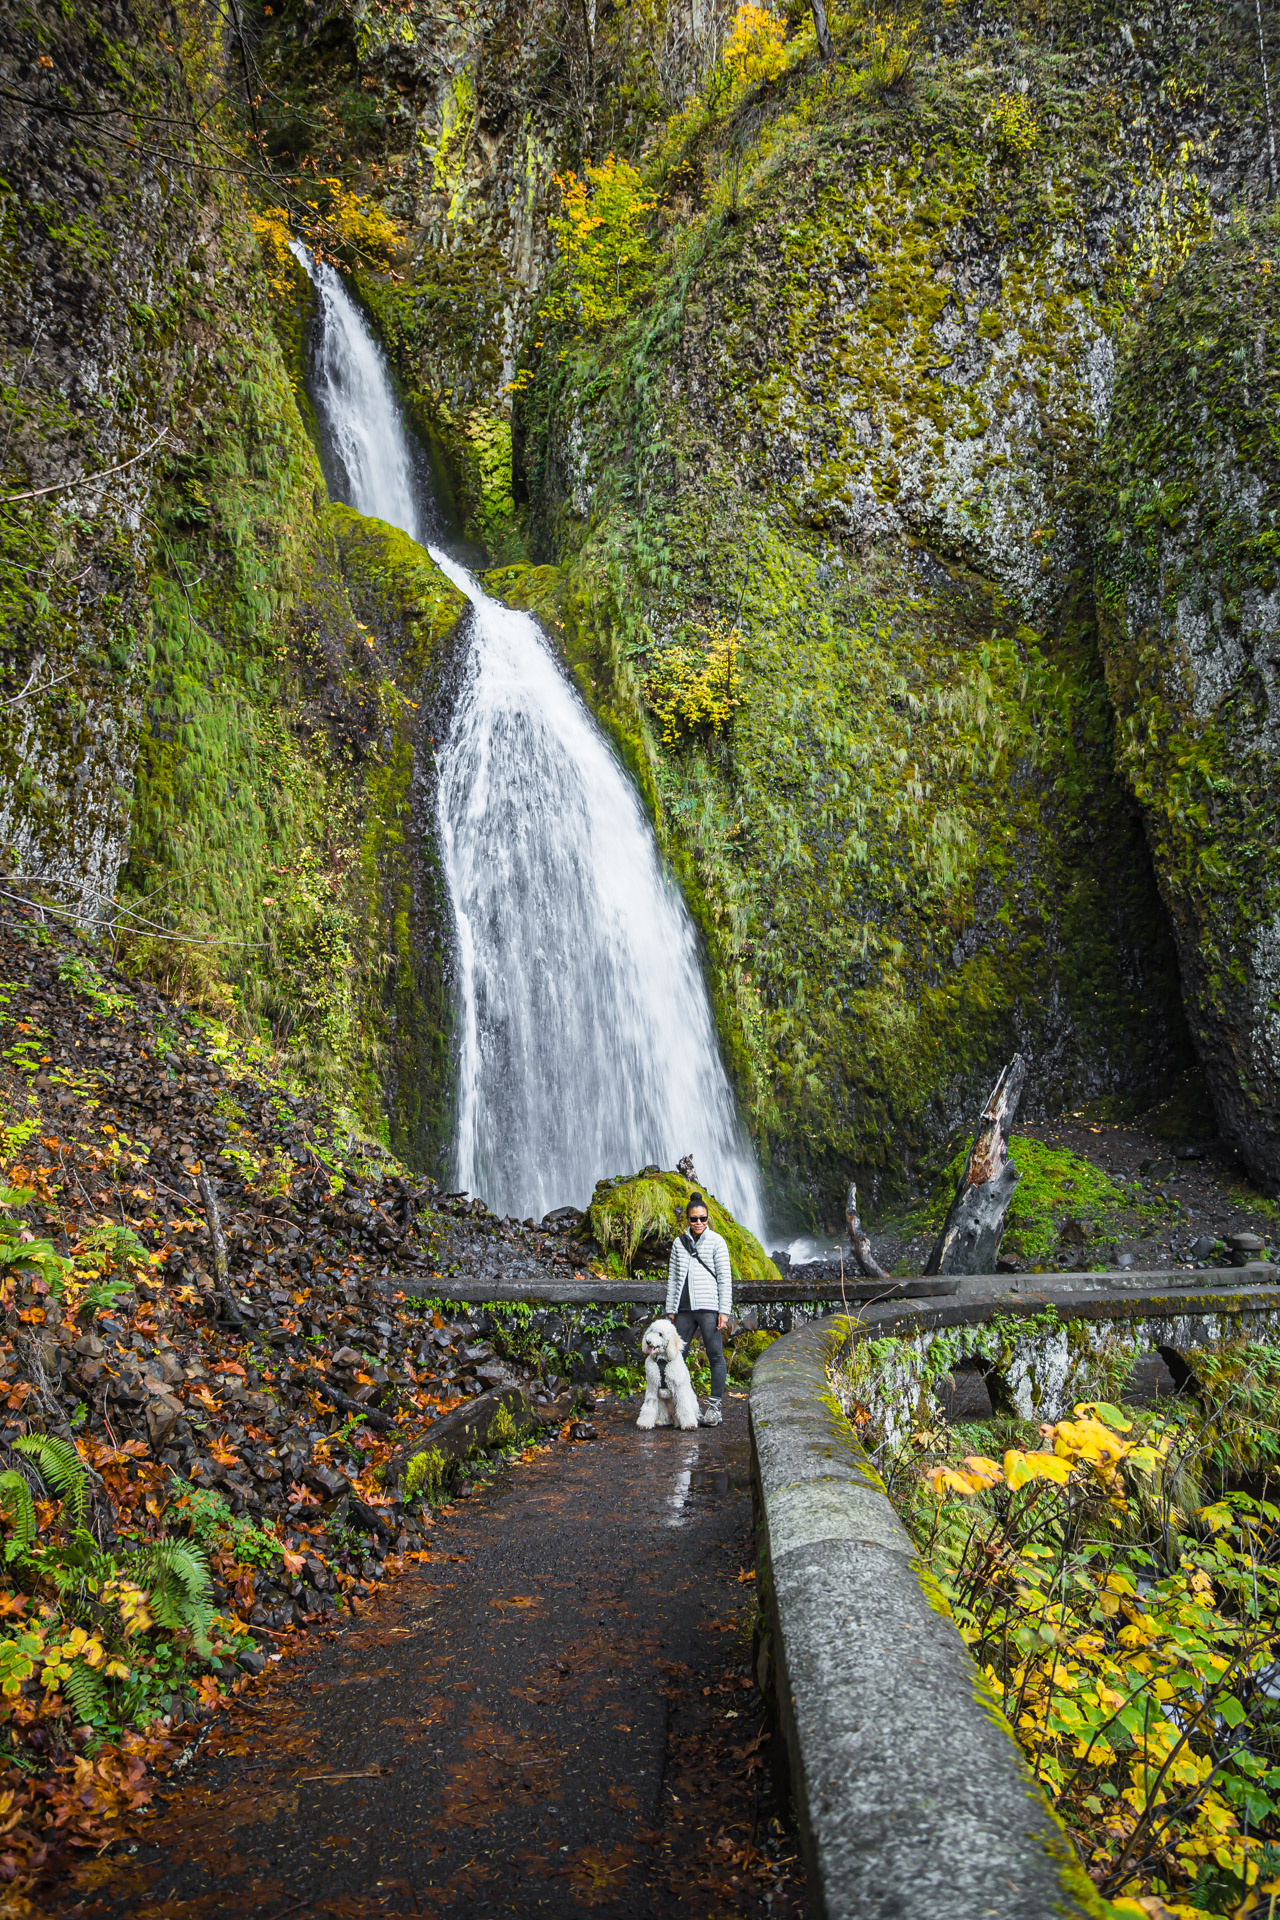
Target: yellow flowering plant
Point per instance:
(1120, 1592)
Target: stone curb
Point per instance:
(912, 1796)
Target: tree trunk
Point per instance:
(970, 1238)
(858, 1240)
(218, 1248)
(823, 31)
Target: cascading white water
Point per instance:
(586, 1039)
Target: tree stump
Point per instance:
(970, 1237)
(859, 1240)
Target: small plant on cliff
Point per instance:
(754, 50)
(1014, 128)
(891, 48)
(695, 690)
(602, 239)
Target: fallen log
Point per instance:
(488, 1420)
(970, 1237)
(859, 1240)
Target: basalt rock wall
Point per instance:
(1189, 592)
(215, 682)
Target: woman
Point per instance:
(700, 1294)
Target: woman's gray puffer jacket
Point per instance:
(707, 1270)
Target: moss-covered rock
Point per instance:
(636, 1218)
(1189, 589)
(235, 743)
(413, 611)
(847, 428)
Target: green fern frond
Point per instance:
(19, 1510)
(60, 1467)
(176, 1575)
(86, 1691)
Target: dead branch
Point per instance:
(218, 1247)
(970, 1237)
(858, 1239)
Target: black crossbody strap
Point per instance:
(690, 1246)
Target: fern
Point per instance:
(61, 1469)
(176, 1576)
(19, 1510)
(86, 1691)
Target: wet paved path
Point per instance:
(554, 1716)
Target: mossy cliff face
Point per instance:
(104, 248)
(851, 421)
(239, 731)
(1189, 591)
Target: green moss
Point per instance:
(746, 1350)
(1055, 1185)
(1188, 569)
(638, 1217)
(424, 1474)
(413, 610)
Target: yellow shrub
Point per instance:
(271, 229)
(1015, 127)
(891, 47)
(754, 49)
(601, 236)
(693, 689)
(364, 226)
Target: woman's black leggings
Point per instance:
(704, 1322)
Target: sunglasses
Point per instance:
(695, 1218)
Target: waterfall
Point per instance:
(586, 1042)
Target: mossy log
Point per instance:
(490, 1420)
(970, 1237)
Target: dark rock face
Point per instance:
(106, 243)
(1189, 591)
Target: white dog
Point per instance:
(669, 1398)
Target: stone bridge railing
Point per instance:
(911, 1793)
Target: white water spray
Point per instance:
(586, 1043)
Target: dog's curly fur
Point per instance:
(669, 1398)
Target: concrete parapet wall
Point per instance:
(911, 1792)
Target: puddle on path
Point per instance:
(556, 1716)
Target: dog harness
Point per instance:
(661, 1365)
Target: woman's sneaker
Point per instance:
(710, 1415)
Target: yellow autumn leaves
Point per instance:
(1091, 1442)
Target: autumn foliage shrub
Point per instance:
(1119, 1588)
(602, 241)
(754, 49)
(694, 688)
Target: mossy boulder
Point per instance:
(1188, 583)
(636, 1218)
